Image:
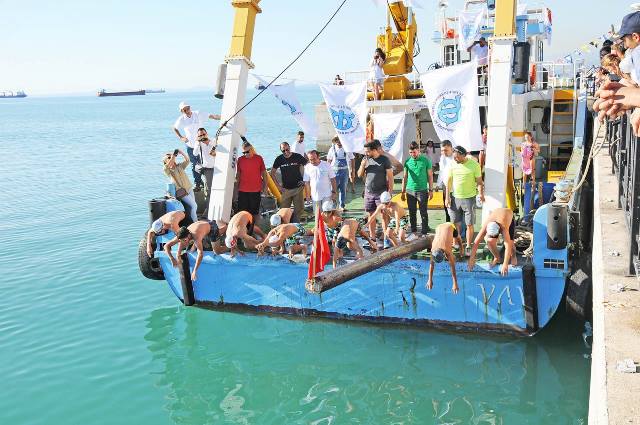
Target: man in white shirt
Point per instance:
(189, 122)
(480, 53)
(446, 160)
(205, 153)
(319, 179)
(298, 146)
(343, 164)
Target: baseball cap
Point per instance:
(156, 226)
(385, 197)
(327, 206)
(438, 255)
(275, 220)
(182, 106)
(460, 149)
(493, 229)
(630, 24)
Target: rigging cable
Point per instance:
(284, 70)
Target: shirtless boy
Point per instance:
(285, 235)
(351, 228)
(240, 226)
(392, 212)
(441, 248)
(499, 221)
(168, 222)
(283, 216)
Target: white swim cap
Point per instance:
(156, 227)
(493, 229)
(230, 241)
(275, 220)
(385, 197)
(327, 206)
(273, 239)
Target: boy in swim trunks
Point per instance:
(284, 235)
(499, 221)
(346, 238)
(441, 248)
(196, 231)
(165, 224)
(240, 227)
(396, 230)
(283, 216)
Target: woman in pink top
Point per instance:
(528, 151)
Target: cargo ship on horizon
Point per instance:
(10, 94)
(104, 93)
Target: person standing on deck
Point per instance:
(184, 189)
(441, 248)
(446, 160)
(480, 53)
(189, 122)
(298, 146)
(291, 166)
(499, 221)
(205, 153)
(465, 178)
(418, 178)
(342, 163)
(251, 175)
(319, 180)
(377, 172)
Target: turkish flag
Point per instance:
(321, 253)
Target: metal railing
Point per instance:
(624, 149)
(551, 75)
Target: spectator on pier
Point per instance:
(465, 180)
(441, 249)
(342, 163)
(251, 175)
(528, 151)
(184, 189)
(446, 160)
(376, 73)
(480, 53)
(417, 187)
(298, 146)
(291, 166)
(169, 222)
(205, 154)
(499, 221)
(189, 122)
(611, 64)
(431, 152)
(338, 81)
(197, 231)
(319, 179)
(377, 172)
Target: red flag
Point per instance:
(321, 252)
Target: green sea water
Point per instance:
(85, 339)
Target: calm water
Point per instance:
(85, 339)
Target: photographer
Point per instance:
(184, 189)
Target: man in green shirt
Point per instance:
(465, 177)
(417, 186)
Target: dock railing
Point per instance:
(625, 155)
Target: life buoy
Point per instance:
(532, 75)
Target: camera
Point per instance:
(175, 152)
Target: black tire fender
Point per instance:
(149, 267)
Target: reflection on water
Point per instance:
(225, 367)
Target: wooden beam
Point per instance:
(331, 278)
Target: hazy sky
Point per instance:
(74, 46)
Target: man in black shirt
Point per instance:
(291, 165)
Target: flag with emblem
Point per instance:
(452, 98)
(348, 112)
(286, 95)
(469, 24)
(389, 129)
(321, 253)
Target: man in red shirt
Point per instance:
(251, 175)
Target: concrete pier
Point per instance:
(614, 396)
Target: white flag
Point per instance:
(389, 129)
(286, 94)
(452, 97)
(348, 111)
(548, 24)
(417, 4)
(469, 24)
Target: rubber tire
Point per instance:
(149, 267)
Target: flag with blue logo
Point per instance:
(452, 99)
(389, 129)
(286, 95)
(469, 24)
(348, 112)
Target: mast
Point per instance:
(238, 65)
(499, 106)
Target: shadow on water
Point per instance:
(232, 368)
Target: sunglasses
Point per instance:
(284, 150)
(246, 152)
(203, 138)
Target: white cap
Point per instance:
(157, 226)
(328, 206)
(230, 241)
(493, 229)
(182, 106)
(273, 239)
(275, 220)
(385, 197)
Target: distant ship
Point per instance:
(103, 93)
(154, 91)
(10, 94)
(260, 86)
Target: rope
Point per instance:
(284, 70)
